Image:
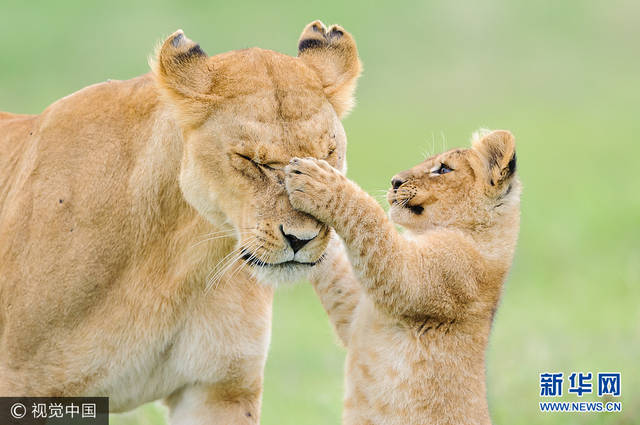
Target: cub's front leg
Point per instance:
(405, 277)
(318, 189)
(377, 252)
(373, 245)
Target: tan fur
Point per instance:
(124, 209)
(415, 312)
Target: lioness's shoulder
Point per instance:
(111, 97)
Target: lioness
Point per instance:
(121, 204)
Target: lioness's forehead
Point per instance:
(282, 139)
(274, 106)
(269, 84)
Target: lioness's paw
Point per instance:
(309, 183)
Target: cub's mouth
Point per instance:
(403, 201)
(416, 209)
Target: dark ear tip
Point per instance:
(310, 43)
(177, 39)
(178, 48)
(336, 32)
(317, 26)
(512, 164)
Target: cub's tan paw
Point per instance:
(311, 185)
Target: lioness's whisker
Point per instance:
(220, 271)
(229, 261)
(230, 231)
(225, 232)
(219, 237)
(215, 280)
(242, 265)
(224, 259)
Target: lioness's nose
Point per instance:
(296, 243)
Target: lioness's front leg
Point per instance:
(218, 404)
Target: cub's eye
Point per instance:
(442, 169)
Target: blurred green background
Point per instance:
(564, 76)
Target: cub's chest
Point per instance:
(386, 350)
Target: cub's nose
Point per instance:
(396, 182)
(296, 242)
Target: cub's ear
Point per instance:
(498, 151)
(182, 71)
(332, 53)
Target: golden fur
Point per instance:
(415, 312)
(136, 215)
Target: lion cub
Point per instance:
(415, 310)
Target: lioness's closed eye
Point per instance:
(415, 313)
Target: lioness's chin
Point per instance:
(282, 274)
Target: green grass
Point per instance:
(563, 76)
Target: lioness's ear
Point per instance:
(498, 151)
(332, 53)
(181, 69)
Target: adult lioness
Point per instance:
(118, 201)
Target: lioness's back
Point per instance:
(74, 130)
(65, 197)
(13, 128)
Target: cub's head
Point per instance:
(243, 115)
(464, 188)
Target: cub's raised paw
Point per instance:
(312, 184)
